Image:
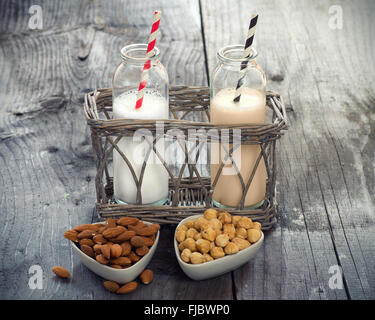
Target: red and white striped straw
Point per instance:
(246, 54)
(147, 65)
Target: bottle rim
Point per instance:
(232, 54)
(137, 53)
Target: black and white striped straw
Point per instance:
(246, 55)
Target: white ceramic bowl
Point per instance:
(117, 275)
(219, 266)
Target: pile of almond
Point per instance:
(119, 243)
(215, 235)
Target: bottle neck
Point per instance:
(136, 54)
(232, 56)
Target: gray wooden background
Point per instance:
(326, 181)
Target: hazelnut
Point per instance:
(231, 248)
(253, 235)
(203, 245)
(219, 232)
(230, 230)
(204, 225)
(256, 225)
(245, 222)
(210, 214)
(217, 252)
(241, 243)
(222, 240)
(207, 257)
(185, 255)
(241, 233)
(235, 220)
(189, 243)
(212, 244)
(225, 217)
(191, 233)
(197, 236)
(189, 224)
(201, 223)
(209, 234)
(180, 235)
(181, 246)
(183, 227)
(196, 258)
(215, 224)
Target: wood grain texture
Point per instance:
(47, 167)
(326, 180)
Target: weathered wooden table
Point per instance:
(326, 180)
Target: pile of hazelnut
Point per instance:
(215, 235)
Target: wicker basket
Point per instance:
(188, 194)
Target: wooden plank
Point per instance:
(47, 167)
(326, 179)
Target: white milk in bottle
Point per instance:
(154, 188)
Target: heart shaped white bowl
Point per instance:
(117, 275)
(219, 266)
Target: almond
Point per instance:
(122, 261)
(87, 242)
(93, 227)
(88, 250)
(98, 248)
(111, 223)
(71, 235)
(125, 221)
(147, 276)
(126, 248)
(99, 239)
(86, 234)
(101, 229)
(138, 226)
(147, 231)
(133, 257)
(116, 251)
(61, 272)
(113, 232)
(127, 288)
(116, 266)
(148, 241)
(156, 226)
(111, 286)
(106, 251)
(141, 251)
(101, 259)
(137, 241)
(124, 236)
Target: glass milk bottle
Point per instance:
(126, 80)
(251, 108)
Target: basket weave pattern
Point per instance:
(191, 194)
